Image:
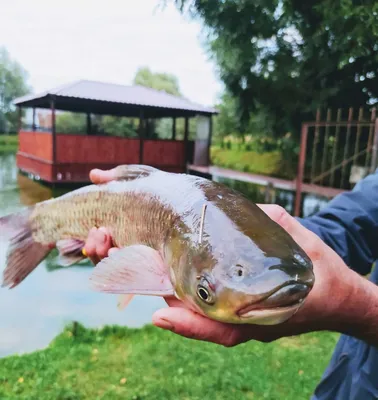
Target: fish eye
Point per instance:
(204, 293)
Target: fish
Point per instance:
(178, 235)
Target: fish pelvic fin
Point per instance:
(132, 171)
(136, 269)
(70, 252)
(24, 254)
(124, 301)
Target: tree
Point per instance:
(71, 122)
(288, 57)
(167, 83)
(12, 85)
(157, 80)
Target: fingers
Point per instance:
(98, 176)
(280, 216)
(194, 326)
(98, 244)
(305, 238)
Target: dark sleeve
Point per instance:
(349, 225)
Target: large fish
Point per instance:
(178, 235)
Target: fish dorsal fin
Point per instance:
(132, 171)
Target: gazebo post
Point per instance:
(174, 128)
(141, 136)
(203, 141)
(33, 126)
(89, 124)
(209, 139)
(19, 122)
(53, 129)
(186, 137)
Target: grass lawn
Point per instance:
(148, 363)
(268, 163)
(8, 144)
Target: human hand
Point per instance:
(326, 308)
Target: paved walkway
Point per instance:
(265, 180)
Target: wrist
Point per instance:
(356, 310)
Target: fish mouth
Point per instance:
(284, 299)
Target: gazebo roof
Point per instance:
(113, 99)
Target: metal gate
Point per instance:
(336, 152)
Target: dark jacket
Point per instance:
(349, 225)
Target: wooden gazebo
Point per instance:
(57, 157)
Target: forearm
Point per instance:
(349, 225)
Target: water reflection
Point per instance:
(266, 194)
(33, 313)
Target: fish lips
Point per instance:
(288, 296)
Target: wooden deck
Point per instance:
(265, 180)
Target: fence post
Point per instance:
(374, 150)
(300, 173)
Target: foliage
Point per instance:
(12, 85)
(229, 120)
(258, 154)
(289, 57)
(125, 127)
(70, 122)
(148, 363)
(157, 80)
(8, 144)
(167, 83)
(240, 160)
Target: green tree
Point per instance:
(12, 85)
(157, 80)
(167, 83)
(288, 57)
(70, 122)
(226, 122)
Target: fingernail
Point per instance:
(164, 324)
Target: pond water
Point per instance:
(33, 313)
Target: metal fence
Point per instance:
(337, 149)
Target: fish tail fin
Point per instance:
(24, 253)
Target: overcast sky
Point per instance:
(106, 40)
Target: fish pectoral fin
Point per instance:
(70, 251)
(124, 301)
(132, 171)
(136, 269)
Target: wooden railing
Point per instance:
(76, 155)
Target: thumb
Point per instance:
(98, 176)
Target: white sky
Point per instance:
(106, 40)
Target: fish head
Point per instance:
(242, 275)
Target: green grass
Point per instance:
(8, 143)
(122, 363)
(268, 163)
